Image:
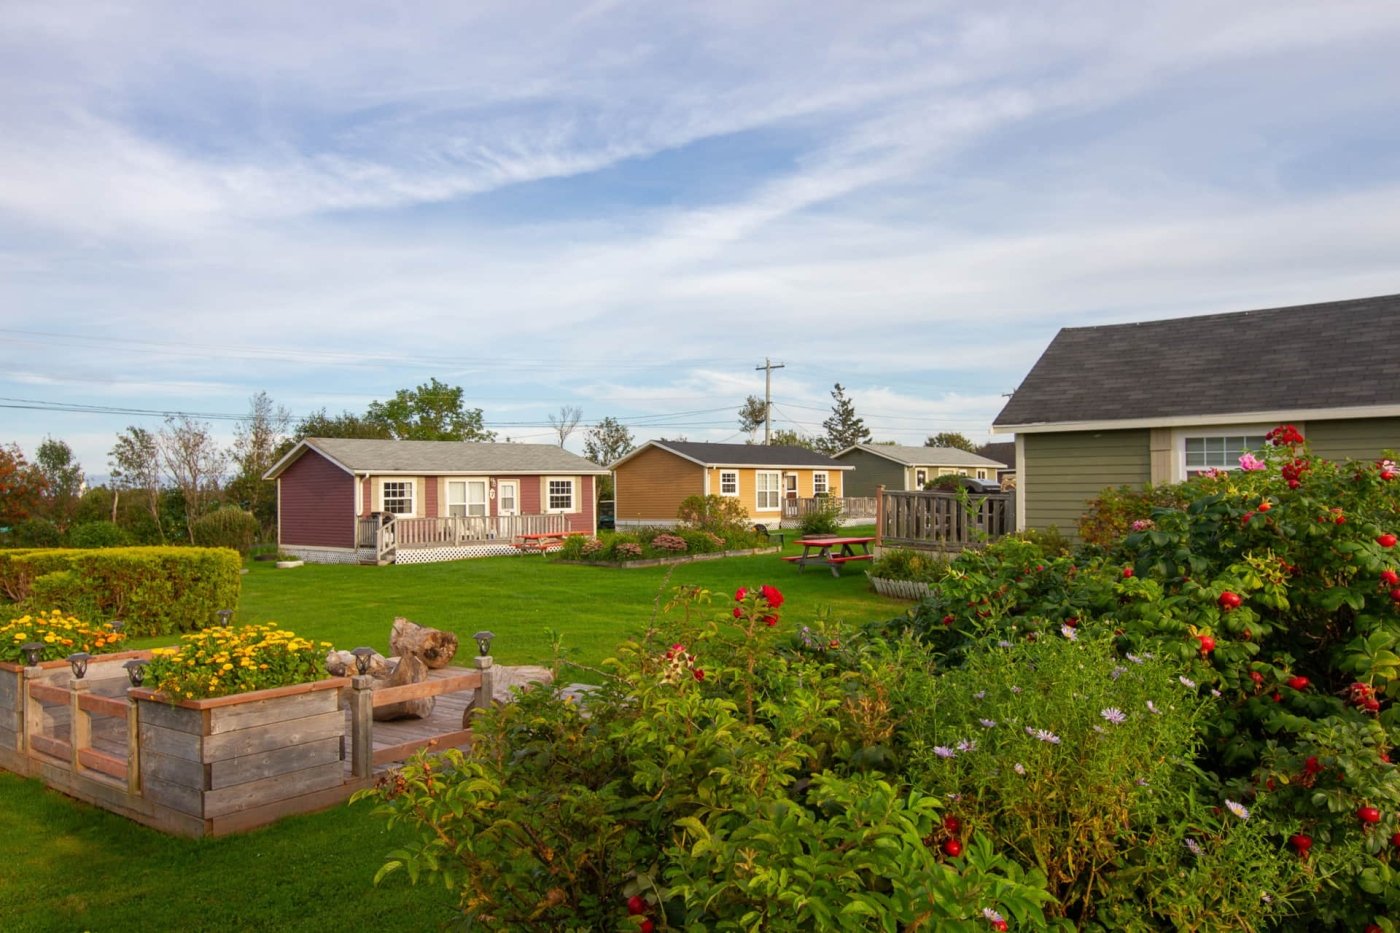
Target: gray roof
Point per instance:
(746, 455)
(927, 456)
(1340, 354)
(425, 457)
(1004, 451)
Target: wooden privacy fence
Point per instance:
(943, 520)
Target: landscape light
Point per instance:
(225, 617)
(363, 656)
(135, 671)
(79, 664)
(31, 651)
(116, 625)
(483, 642)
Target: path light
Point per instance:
(135, 671)
(362, 658)
(483, 642)
(225, 617)
(79, 663)
(116, 625)
(32, 650)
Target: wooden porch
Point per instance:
(384, 537)
(854, 509)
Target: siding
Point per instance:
(1353, 438)
(1064, 471)
(870, 471)
(316, 504)
(651, 486)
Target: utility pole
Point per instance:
(768, 367)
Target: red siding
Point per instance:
(530, 495)
(582, 520)
(430, 498)
(317, 504)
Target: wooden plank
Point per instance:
(404, 750)
(234, 699)
(48, 745)
(162, 741)
(275, 735)
(428, 688)
(173, 796)
(10, 738)
(48, 694)
(272, 709)
(9, 691)
(175, 718)
(231, 771)
(272, 789)
(253, 817)
(102, 706)
(103, 762)
(173, 770)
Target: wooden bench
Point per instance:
(842, 560)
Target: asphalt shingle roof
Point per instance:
(750, 455)
(1338, 354)
(930, 456)
(450, 457)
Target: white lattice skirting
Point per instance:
(316, 555)
(434, 555)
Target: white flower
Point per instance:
(992, 916)
(1069, 632)
(1114, 715)
(1152, 708)
(1043, 735)
(1238, 809)
(1187, 682)
(1019, 768)
(988, 723)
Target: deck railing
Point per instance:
(944, 520)
(434, 532)
(853, 508)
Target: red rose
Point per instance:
(1229, 600)
(770, 621)
(952, 848)
(1368, 815)
(738, 613)
(1298, 682)
(771, 594)
(1127, 572)
(1312, 765)
(741, 594)
(1390, 578)
(1386, 540)
(636, 904)
(699, 674)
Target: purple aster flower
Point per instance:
(988, 723)
(1043, 735)
(1114, 715)
(943, 751)
(1237, 808)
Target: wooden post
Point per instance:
(133, 746)
(879, 514)
(79, 723)
(486, 692)
(361, 726)
(32, 709)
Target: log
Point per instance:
(409, 670)
(433, 647)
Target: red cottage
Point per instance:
(350, 501)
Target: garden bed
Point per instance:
(898, 589)
(663, 561)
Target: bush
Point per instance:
(95, 535)
(909, 564)
(156, 590)
(722, 515)
(1111, 514)
(823, 519)
(34, 533)
(228, 527)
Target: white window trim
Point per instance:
(920, 478)
(826, 482)
(776, 491)
(1180, 435)
(412, 497)
(573, 494)
(722, 475)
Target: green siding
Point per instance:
(870, 471)
(1064, 471)
(1354, 438)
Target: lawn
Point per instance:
(73, 867)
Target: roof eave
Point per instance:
(1280, 415)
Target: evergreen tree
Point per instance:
(844, 428)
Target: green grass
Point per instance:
(74, 867)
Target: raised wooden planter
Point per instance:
(230, 763)
(899, 589)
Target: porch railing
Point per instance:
(943, 520)
(405, 533)
(853, 508)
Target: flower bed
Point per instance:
(58, 633)
(221, 661)
(647, 547)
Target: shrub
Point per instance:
(722, 515)
(909, 564)
(1111, 514)
(228, 527)
(34, 533)
(96, 534)
(156, 590)
(948, 482)
(221, 661)
(670, 543)
(60, 634)
(823, 519)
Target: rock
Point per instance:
(408, 670)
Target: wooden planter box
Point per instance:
(899, 589)
(230, 763)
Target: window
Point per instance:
(398, 497)
(920, 478)
(1220, 453)
(981, 474)
(769, 495)
(819, 486)
(729, 483)
(561, 495)
(466, 497)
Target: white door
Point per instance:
(508, 498)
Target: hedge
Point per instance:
(155, 590)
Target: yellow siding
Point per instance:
(1064, 471)
(748, 486)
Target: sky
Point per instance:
(629, 207)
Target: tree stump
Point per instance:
(434, 647)
(409, 670)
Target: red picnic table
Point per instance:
(537, 542)
(830, 551)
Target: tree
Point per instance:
(256, 443)
(787, 437)
(565, 422)
(135, 464)
(843, 428)
(63, 477)
(346, 424)
(604, 443)
(752, 415)
(194, 463)
(22, 486)
(951, 439)
(432, 412)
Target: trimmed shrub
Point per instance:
(230, 528)
(35, 532)
(96, 534)
(156, 590)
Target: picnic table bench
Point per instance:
(538, 542)
(832, 552)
